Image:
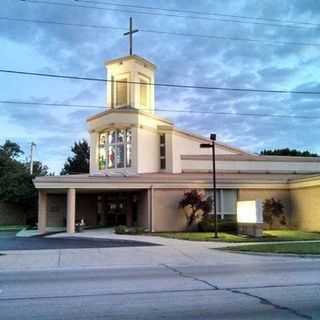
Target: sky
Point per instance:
(191, 60)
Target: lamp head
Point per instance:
(205, 145)
(213, 136)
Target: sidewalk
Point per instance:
(169, 252)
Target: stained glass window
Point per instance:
(120, 155)
(111, 156)
(115, 150)
(128, 155)
(102, 153)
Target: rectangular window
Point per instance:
(162, 151)
(143, 92)
(111, 156)
(229, 201)
(120, 156)
(102, 158)
(102, 151)
(162, 164)
(128, 158)
(120, 136)
(112, 137)
(121, 92)
(102, 140)
(226, 201)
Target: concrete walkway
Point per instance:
(169, 252)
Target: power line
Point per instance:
(180, 34)
(168, 85)
(160, 14)
(201, 13)
(62, 23)
(163, 109)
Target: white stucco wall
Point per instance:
(148, 151)
(265, 166)
(183, 144)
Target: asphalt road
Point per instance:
(8, 241)
(272, 290)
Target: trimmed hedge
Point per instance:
(226, 225)
(128, 230)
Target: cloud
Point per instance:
(186, 60)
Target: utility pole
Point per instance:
(214, 186)
(33, 145)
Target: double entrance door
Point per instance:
(118, 208)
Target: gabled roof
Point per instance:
(218, 143)
(128, 109)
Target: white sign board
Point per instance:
(249, 211)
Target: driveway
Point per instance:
(8, 241)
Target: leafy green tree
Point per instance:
(10, 149)
(288, 152)
(40, 169)
(79, 162)
(16, 184)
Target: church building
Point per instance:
(141, 164)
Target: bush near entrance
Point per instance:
(228, 224)
(128, 230)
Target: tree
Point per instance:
(11, 149)
(288, 152)
(40, 169)
(195, 205)
(16, 184)
(79, 162)
(273, 210)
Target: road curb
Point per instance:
(268, 254)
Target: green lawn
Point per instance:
(294, 248)
(202, 236)
(5, 227)
(272, 235)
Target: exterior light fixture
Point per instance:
(214, 194)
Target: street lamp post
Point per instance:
(214, 195)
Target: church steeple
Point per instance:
(130, 80)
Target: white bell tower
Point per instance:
(130, 82)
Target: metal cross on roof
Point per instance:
(130, 33)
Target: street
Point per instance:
(270, 289)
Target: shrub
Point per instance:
(136, 230)
(226, 225)
(121, 229)
(129, 230)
